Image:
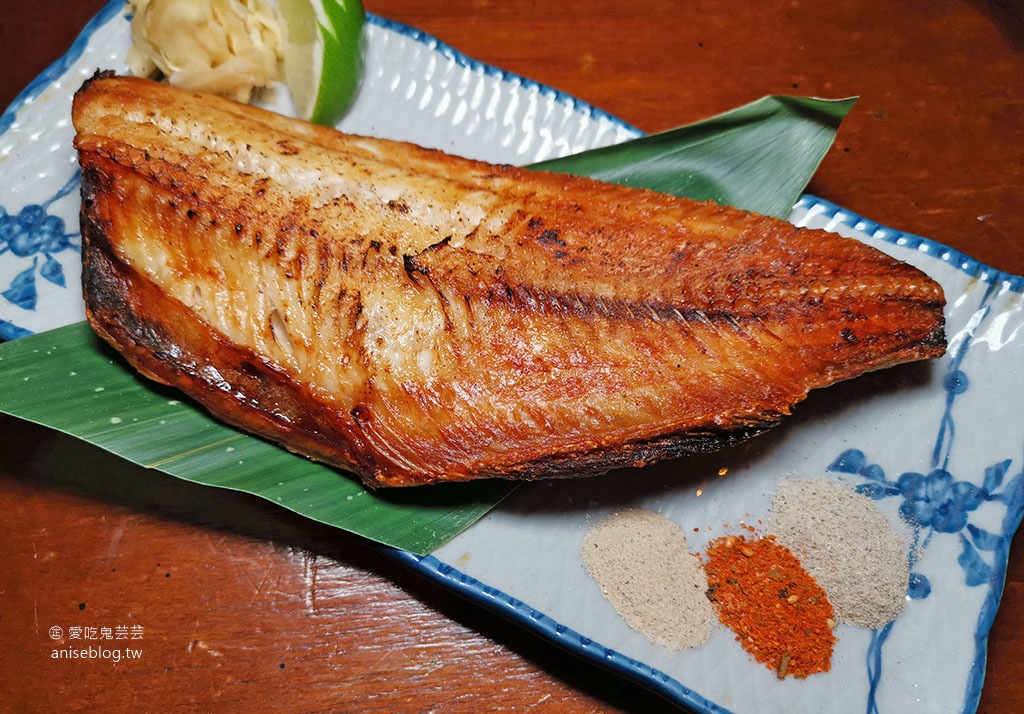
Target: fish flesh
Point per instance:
(415, 317)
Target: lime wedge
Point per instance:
(323, 55)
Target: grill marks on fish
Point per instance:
(416, 317)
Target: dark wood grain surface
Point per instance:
(247, 608)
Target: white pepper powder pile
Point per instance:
(640, 560)
(848, 545)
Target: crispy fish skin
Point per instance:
(416, 317)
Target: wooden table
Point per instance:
(246, 608)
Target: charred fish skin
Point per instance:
(416, 317)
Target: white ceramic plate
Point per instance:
(952, 421)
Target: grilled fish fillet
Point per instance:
(414, 317)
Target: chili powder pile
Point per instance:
(778, 612)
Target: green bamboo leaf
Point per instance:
(759, 157)
(68, 380)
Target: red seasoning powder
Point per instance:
(779, 613)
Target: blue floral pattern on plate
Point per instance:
(34, 235)
(965, 502)
(937, 502)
